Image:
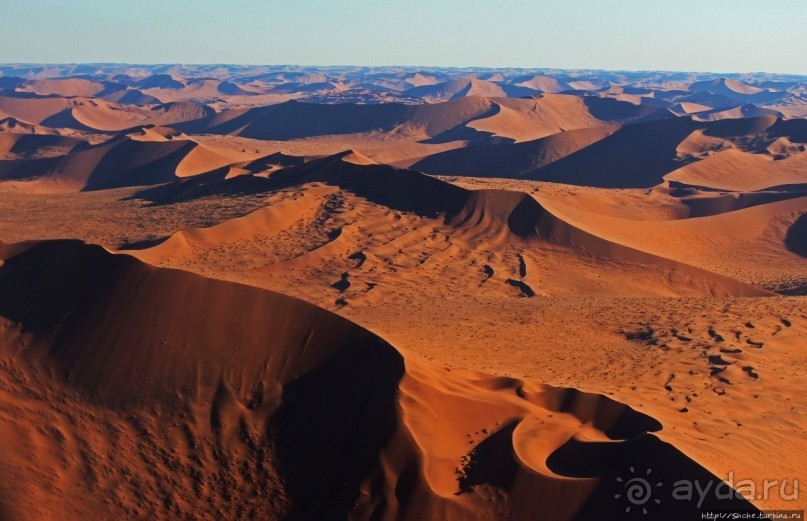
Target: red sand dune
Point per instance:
(64, 87)
(287, 317)
(516, 119)
(486, 218)
(595, 157)
(96, 114)
(243, 382)
(742, 171)
(118, 162)
(15, 145)
(455, 89)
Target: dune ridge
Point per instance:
(121, 161)
(264, 403)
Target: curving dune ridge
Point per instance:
(168, 374)
(122, 161)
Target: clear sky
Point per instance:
(692, 35)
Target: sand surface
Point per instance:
(398, 294)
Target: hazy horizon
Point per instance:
(623, 35)
(394, 66)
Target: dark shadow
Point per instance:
(636, 156)
(492, 461)
(334, 422)
(796, 238)
(526, 290)
(469, 135)
(616, 420)
(142, 245)
(51, 282)
(293, 119)
(204, 185)
(398, 189)
(621, 466)
(705, 206)
(610, 109)
(793, 129)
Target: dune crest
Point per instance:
(259, 384)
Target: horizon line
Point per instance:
(462, 67)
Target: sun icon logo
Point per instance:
(638, 490)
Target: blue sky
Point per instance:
(693, 35)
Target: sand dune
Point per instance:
(155, 133)
(160, 81)
(12, 125)
(172, 89)
(749, 110)
(31, 146)
(698, 145)
(724, 86)
(455, 89)
(482, 220)
(541, 83)
(34, 109)
(462, 119)
(603, 163)
(97, 115)
(525, 120)
(742, 171)
(130, 97)
(64, 87)
(297, 120)
(736, 90)
(511, 160)
(701, 202)
(688, 107)
(257, 389)
(383, 293)
(419, 80)
(248, 86)
(595, 157)
(733, 242)
(110, 118)
(118, 162)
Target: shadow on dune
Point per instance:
(636, 156)
(721, 201)
(492, 462)
(633, 452)
(655, 468)
(632, 156)
(334, 422)
(142, 245)
(796, 238)
(116, 163)
(295, 405)
(7, 510)
(94, 315)
(615, 420)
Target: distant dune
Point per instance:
(455, 89)
(596, 157)
(119, 162)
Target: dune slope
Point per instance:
(235, 386)
(121, 161)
